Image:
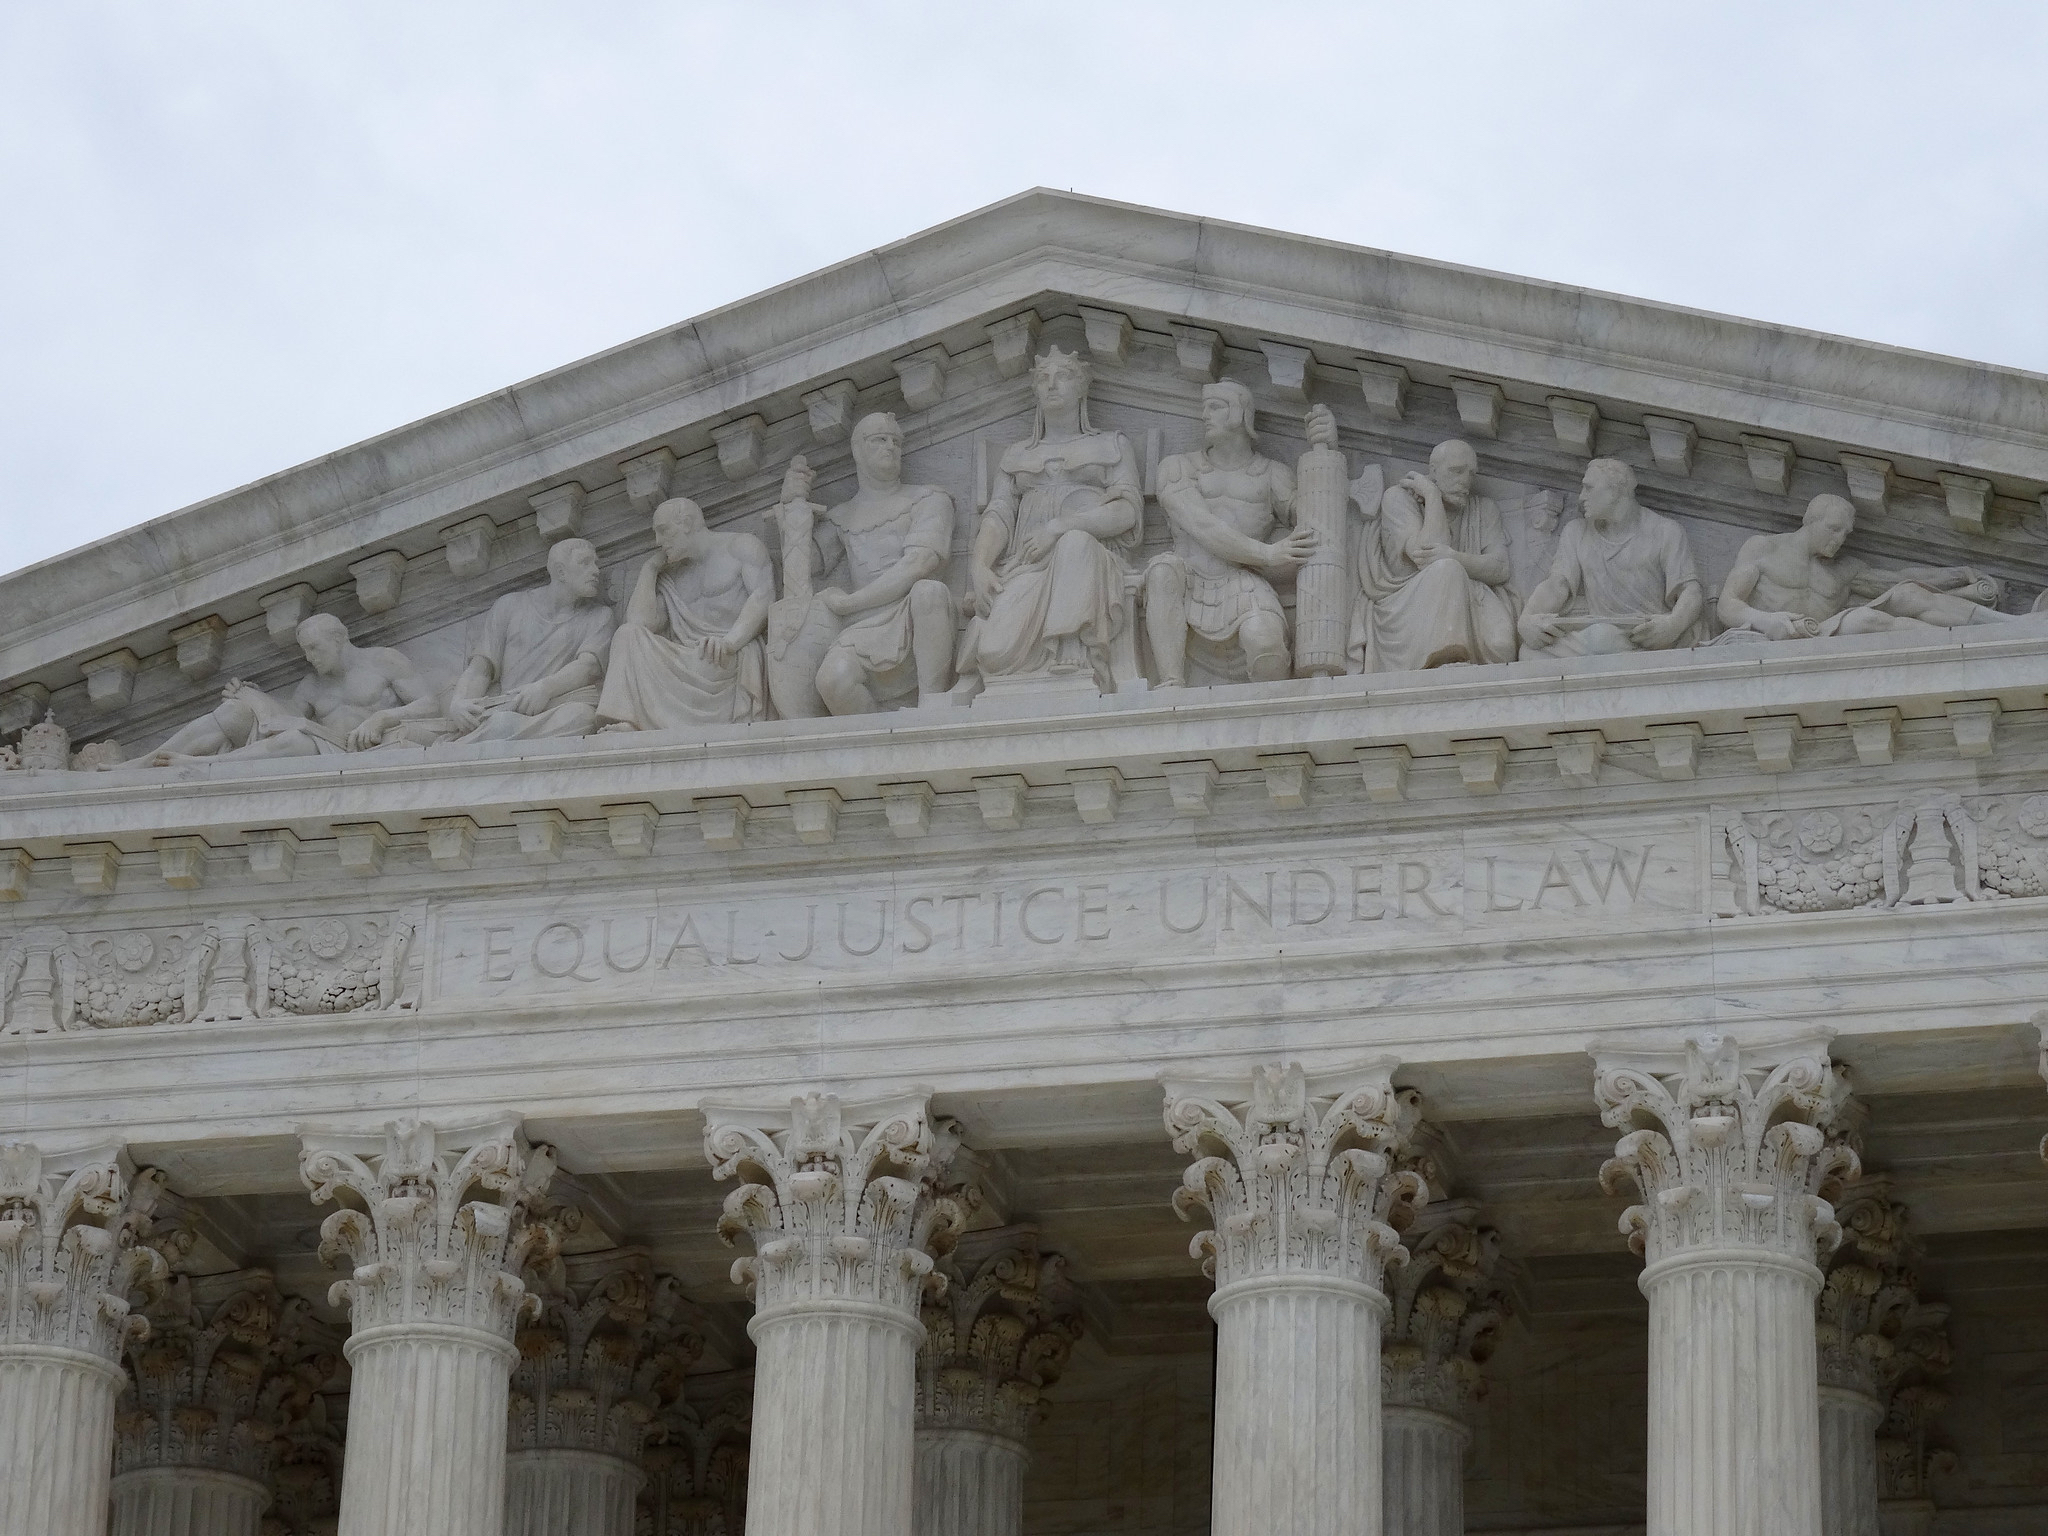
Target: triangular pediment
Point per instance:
(1731, 426)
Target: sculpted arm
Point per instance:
(1735, 609)
(1122, 505)
(758, 577)
(644, 607)
(416, 699)
(1188, 510)
(1870, 582)
(1490, 563)
(991, 538)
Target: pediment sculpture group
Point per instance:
(1418, 577)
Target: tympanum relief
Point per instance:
(1258, 569)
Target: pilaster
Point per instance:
(1447, 1309)
(1725, 1146)
(433, 1302)
(1299, 1176)
(841, 1205)
(70, 1263)
(583, 1393)
(997, 1337)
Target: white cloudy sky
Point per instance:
(244, 234)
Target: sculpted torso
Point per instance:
(876, 526)
(1790, 580)
(711, 589)
(1243, 499)
(364, 687)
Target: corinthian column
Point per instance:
(839, 1201)
(196, 1428)
(696, 1458)
(1447, 1312)
(1730, 1163)
(999, 1335)
(69, 1262)
(583, 1394)
(1298, 1176)
(433, 1303)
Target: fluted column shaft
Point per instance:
(570, 1493)
(970, 1482)
(426, 1432)
(834, 1429)
(187, 1501)
(1734, 1422)
(1297, 1407)
(1848, 1462)
(56, 1440)
(1424, 1471)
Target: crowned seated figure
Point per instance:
(351, 698)
(1051, 558)
(1799, 585)
(1433, 569)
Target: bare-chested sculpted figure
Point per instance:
(1213, 593)
(689, 652)
(1051, 556)
(1434, 567)
(1797, 585)
(536, 668)
(899, 622)
(353, 695)
(1622, 579)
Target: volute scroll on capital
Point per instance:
(1726, 1145)
(1299, 1176)
(73, 1262)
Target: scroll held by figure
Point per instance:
(535, 670)
(1622, 580)
(1051, 559)
(1799, 585)
(1210, 599)
(1433, 571)
(352, 697)
(888, 642)
(690, 650)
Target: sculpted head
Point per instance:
(324, 639)
(572, 565)
(678, 527)
(878, 448)
(1828, 522)
(1608, 490)
(1227, 410)
(1060, 380)
(1453, 466)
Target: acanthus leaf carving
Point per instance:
(1299, 1176)
(999, 1335)
(1449, 1302)
(71, 1260)
(696, 1459)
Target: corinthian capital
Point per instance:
(999, 1335)
(1298, 1173)
(610, 1336)
(69, 1256)
(840, 1200)
(1448, 1306)
(1725, 1146)
(207, 1388)
(696, 1459)
(423, 1250)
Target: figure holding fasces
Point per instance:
(890, 640)
(1433, 569)
(1622, 579)
(536, 668)
(689, 652)
(353, 695)
(1798, 585)
(1051, 557)
(1212, 594)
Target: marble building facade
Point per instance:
(1097, 873)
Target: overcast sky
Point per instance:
(242, 235)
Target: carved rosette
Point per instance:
(225, 1359)
(1732, 1155)
(999, 1335)
(839, 1200)
(1448, 1307)
(70, 1261)
(608, 1334)
(422, 1251)
(1299, 1178)
(696, 1461)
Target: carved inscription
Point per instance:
(1373, 894)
